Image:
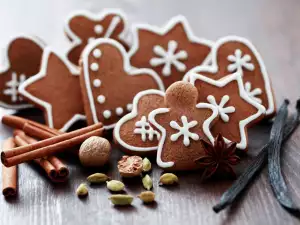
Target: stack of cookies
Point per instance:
(165, 92)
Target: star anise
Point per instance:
(219, 157)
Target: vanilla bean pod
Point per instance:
(256, 165)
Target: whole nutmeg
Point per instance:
(130, 166)
(94, 152)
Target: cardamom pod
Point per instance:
(97, 178)
(168, 179)
(147, 196)
(147, 182)
(146, 165)
(82, 190)
(115, 185)
(121, 199)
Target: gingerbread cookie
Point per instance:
(183, 124)
(56, 90)
(133, 132)
(171, 50)
(237, 110)
(83, 27)
(22, 60)
(231, 54)
(109, 83)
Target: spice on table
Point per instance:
(168, 179)
(121, 200)
(9, 174)
(115, 185)
(257, 164)
(82, 190)
(130, 166)
(94, 152)
(147, 182)
(219, 157)
(146, 165)
(147, 196)
(97, 178)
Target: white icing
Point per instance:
(91, 39)
(94, 66)
(130, 71)
(107, 114)
(169, 57)
(43, 72)
(131, 116)
(101, 99)
(237, 76)
(129, 107)
(253, 93)
(223, 111)
(96, 83)
(184, 130)
(143, 128)
(12, 86)
(239, 61)
(119, 111)
(97, 53)
(112, 26)
(98, 29)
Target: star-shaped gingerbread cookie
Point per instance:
(22, 60)
(82, 27)
(171, 50)
(56, 90)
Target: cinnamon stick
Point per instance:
(9, 175)
(49, 146)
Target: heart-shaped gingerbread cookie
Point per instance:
(109, 83)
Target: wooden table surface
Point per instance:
(273, 26)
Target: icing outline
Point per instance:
(42, 73)
(128, 69)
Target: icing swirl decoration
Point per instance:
(253, 93)
(184, 130)
(239, 61)
(143, 127)
(223, 111)
(169, 57)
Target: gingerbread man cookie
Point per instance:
(183, 124)
(56, 90)
(237, 110)
(171, 50)
(109, 83)
(23, 59)
(83, 27)
(133, 132)
(231, 54)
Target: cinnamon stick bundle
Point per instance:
(49, 146)
(9, 175)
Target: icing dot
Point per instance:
(119, 111)
(97, 53)
(91, 39)
(94, 66)
(101, 99)
(106, 114)
(129, 107)
(98, 29)
(97, 83)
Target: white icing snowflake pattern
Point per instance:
(239, 61)
(144, 128)
(253, 93)
(13, 85)
(223, 111)
(184, 130)
(169, 58)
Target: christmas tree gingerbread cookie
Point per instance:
(171, 50)
(109, 83)
(23, 59)
(183, 124)
(82, 27)
(133, 132)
